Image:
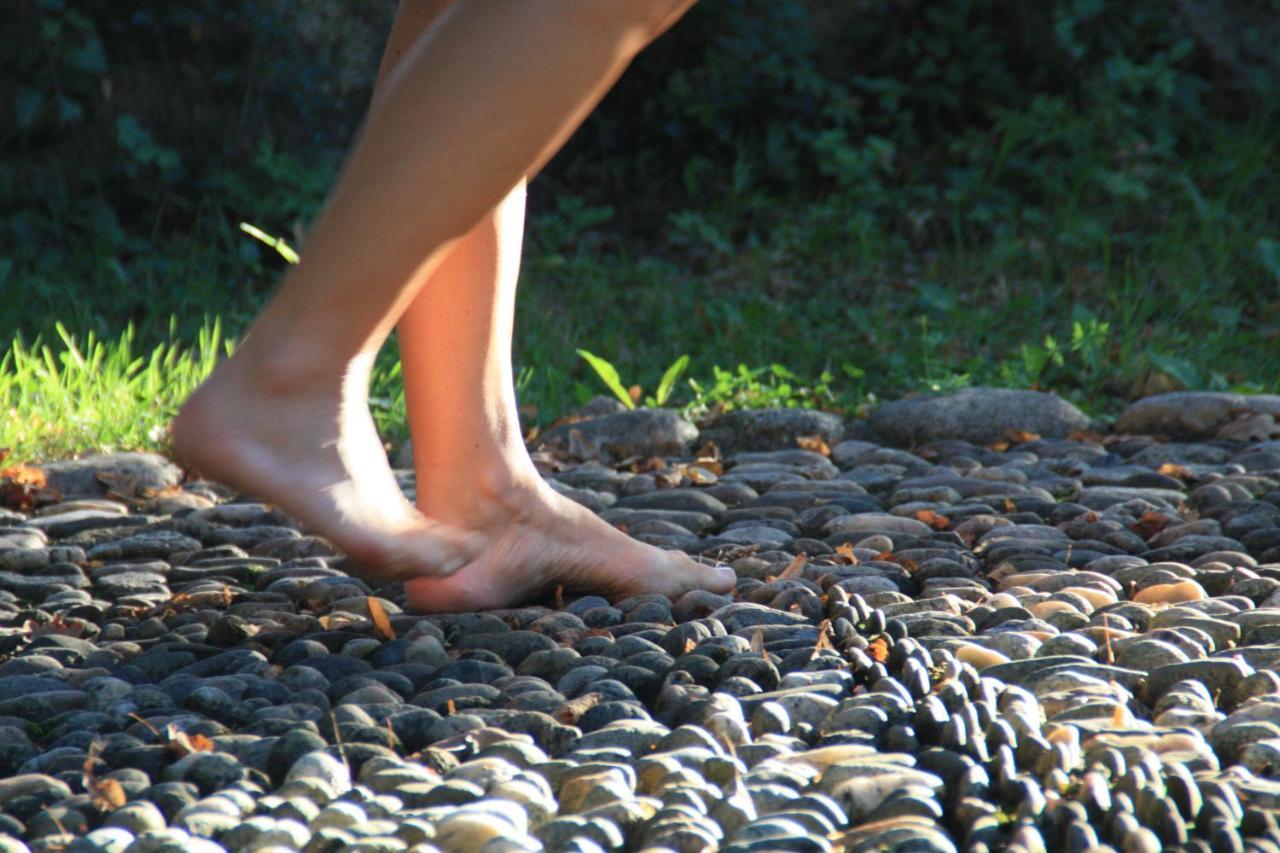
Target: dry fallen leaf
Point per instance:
(878, 649)
(933, 519)
(757, 642)
(181, 744)
(824, 639)
(845, 555)
(148, 725)
(105, 795)
(381, 624)
(450, 707)
(795, 568)
(570, 712)
(814, 443)
(890, 557)
(999, 446)
(559, 596)
(1021, 436)
(1150, 524)
(648, 466)
(689, 645)
(669, 479)
(698, 474)
(634, 392)
(58, 625)
(23, 487)
(1181, 472)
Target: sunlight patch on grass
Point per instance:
(74, 395)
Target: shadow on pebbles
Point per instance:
(1036, 639)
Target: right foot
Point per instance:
(314, 452)
(537, 540)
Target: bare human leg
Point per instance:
(286, 418)
(472, 467)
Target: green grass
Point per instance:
(1100, 282)
(72, 395)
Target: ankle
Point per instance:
(295, 369)
(502, 484)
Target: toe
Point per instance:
(691, 574)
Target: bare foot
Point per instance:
(537, 540)
(312, 450)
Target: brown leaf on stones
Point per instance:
(1020, 436)
(933, 519)
(698, 475)
(570, 712)
(689, 645)
(999, 446)
(105, 795)
(795, 568)
(23, 487)
(450, 707)
(906, 562)
(708, 456)
(179, 744)
(824, 639)
(1085, 436)
(845, 555)
(669, 479)
(814, 443)
(878, 649)
(57, 626)
(381, 624)
(559, 596)
(131, 715)
(1150, 524)
(634, 392)
(1181, 472)
(757, 642)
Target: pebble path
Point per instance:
(1032, 643)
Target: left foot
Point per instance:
(537, 540)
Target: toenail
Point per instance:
(451, 566)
